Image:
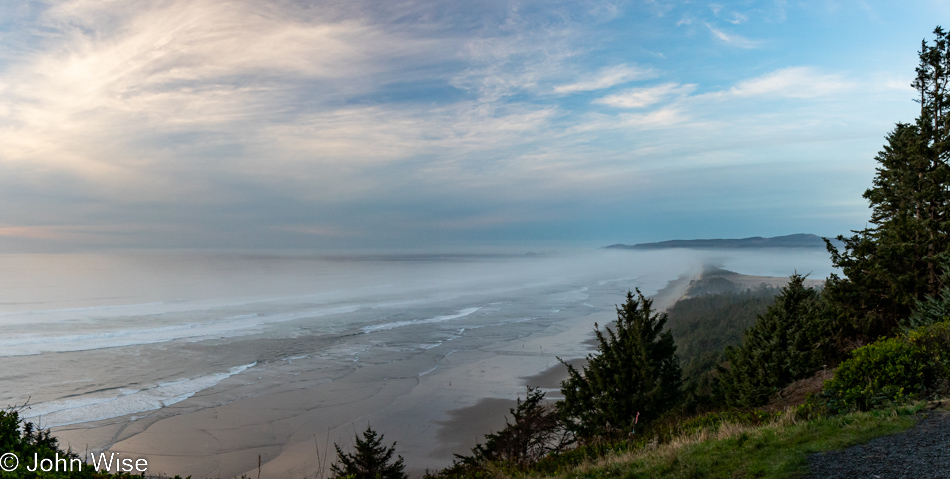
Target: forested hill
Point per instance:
(800, 240)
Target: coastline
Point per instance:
(422, 396)
(434, 405)
(709, 281)
(467, 426)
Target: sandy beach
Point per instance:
(434, 385)
(435, 402)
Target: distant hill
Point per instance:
(800, 240)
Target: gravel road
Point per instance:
(920, 452)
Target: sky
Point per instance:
(444, 125)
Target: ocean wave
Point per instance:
(436, 319)
(30, 344)
(123, 401)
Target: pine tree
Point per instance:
(534, 433)
(897, 261)
(635, 374)
(787, 343)
(371, 460)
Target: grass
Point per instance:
(779, 449)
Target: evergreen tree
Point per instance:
(933, 309)
(704, 326)
(896, 261)
(634, 374)
(535, 433)
(785, 344)
(371, 460)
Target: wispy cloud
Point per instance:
(606, 78)
(732, 39)
(737, 18)
(142, 121)
(662, 118)
(792, 82)
(120, 88)
(733, 17)
(644, 97)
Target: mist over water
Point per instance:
(121, 337)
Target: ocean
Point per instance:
(204, 362)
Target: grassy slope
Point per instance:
(777, 450)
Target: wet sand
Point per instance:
(434, 405)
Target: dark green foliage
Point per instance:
(894, 263)
(535, 433)
(25, 439)
(371, 460)
(704, 326)
(879, 373)
(787, 343)
(634, 372)
(913, 365)
(887, 265)
(931, 310)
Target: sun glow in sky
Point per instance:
(375, 124)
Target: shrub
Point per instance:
(885, 371)
(913, 365)
(25, 440)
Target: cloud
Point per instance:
(738, 18)
(131, 94)
(662, 118)
(520, 56)
(734, 18)
(644, 97)
(732, 39)
(212, 101)
(606, 78)
(792, 82)
(137, 122)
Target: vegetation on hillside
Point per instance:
(704, 326)
(777, 449)
(787, 343)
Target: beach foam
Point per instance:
(123, 402)
(118, 334)
(437, 319)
